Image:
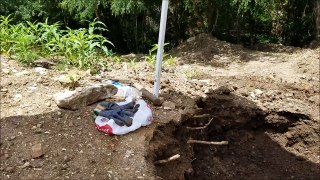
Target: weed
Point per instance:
(151, 57)
(193, 74)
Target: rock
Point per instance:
(6, 156)
(43, 63)
(36, 164)
(36, 151)
(38, 131)
(66, 159)
(252, 95)
(41, 70)
(216, 56)
(12, 138)
(226, 90)
(4, 90)
(258, 92)
(17, 97)
(167, 105)
(208, 91)
(26, 164)
(22, 73)
(191, 39)
(6, 71)
(64, 167)
(73, 100)
(10, 169)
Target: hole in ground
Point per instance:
(251, 152)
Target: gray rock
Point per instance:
(80, 97)
(26, 164)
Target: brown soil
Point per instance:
(265, 104)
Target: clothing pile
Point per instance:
(121, 114)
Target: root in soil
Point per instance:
(251, 152)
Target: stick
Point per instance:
(156, 101)
(201, 116)
(172, 158)
(203, 127)
(207, 142)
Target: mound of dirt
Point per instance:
(206, 48)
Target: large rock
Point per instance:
(80, 97)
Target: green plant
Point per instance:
(151, 57)
(83, 48)
(193, 73)
(5, 35)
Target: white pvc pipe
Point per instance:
(162, 32)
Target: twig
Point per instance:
(207, 142)
(172, 158)
(201, 116)
(203, 127)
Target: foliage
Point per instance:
(82, 47)
(194, 73)
(134, 24)
(151, 57)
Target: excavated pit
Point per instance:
(251, 153)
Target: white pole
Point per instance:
(162, 32)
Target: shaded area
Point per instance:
(252, 152)
(72, 146)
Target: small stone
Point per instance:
(208, 91)
(36, 151)
(38, 131)
(258, 92)
(64, 167)
(216, 56)
(167, 105)
(191, 39)
(22, 73)
(17, 97)
(26, 164)
(66, 159)
(48, 104)
(6, 156)
(4, 90)
(40, 70)
(10, 169)
(36, 164)
(12, 138)
(252, 95)
(6, 71)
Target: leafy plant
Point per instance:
(193, 73)
(152, 55)
(83, 47)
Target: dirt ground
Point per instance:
(265, 104)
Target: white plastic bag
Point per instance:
(142, 117)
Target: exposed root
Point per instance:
(207, 142)
(199, 128)
(172, 158)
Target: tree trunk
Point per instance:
(211, 15)
(317, 18)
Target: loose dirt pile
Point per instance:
(265, 104)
